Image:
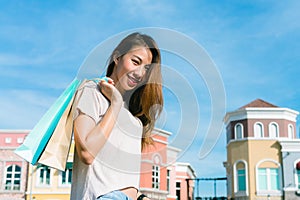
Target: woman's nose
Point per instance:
(139, 72)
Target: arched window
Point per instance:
(240, 174)
(13, 178)
(268, 179)
(258, 130)
(238, 130)
(290, 131)
(273, 130)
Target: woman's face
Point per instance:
(131, 69)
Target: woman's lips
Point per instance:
(132, 81)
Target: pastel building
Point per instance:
(263, 153)
(13, 169)
(162, 178)
(45, 183)
(185, 186)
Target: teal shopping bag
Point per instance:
(39, 136)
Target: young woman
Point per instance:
(113, 120)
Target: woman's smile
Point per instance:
(132, 82)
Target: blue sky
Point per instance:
(254, 45)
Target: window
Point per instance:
(258, 130)
(238, 129)
(178, 190)
(20, 140)
(240, 178)
(66, 176)
(290, 131)
(273, 130)
(298, 178)
(7, 140)
(298, 175)
(13, 178)
(168, 180)
(241, 173)
(44, 173)
(268, 179)
(155, 176)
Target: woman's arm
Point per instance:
(90, 137)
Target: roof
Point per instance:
(258, 103)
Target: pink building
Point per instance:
(184, 186)
(161, 176)
(13, 169)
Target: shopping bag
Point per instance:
(39, 136)
(56, 152)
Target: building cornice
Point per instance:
(290, 145)
(161, 132)
(151, 190)
(16, 131)
(261, 113)
(280, 140)
(185, 167)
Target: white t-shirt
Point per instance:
(117, 165)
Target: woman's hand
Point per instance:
(110, 91)
(141, 196)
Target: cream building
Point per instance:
(255, 162)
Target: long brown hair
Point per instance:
(145, 101)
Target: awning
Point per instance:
(69, 165)
(298, 166)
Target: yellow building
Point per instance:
(45, 183)
(254, 163)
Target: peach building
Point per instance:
(13, 169)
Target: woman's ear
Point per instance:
(116, 57)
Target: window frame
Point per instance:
(68, 173)
(238, 192)
(178, 189)
(269, 190)
(236, 131)
(13, 178)
(291, 131)
(156, 177)
(20, 140)
(38, 176)
(8, 140)
(262, 130)
(168, 179)
(277, 129)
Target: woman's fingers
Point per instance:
(108, 80)
(109, 90)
